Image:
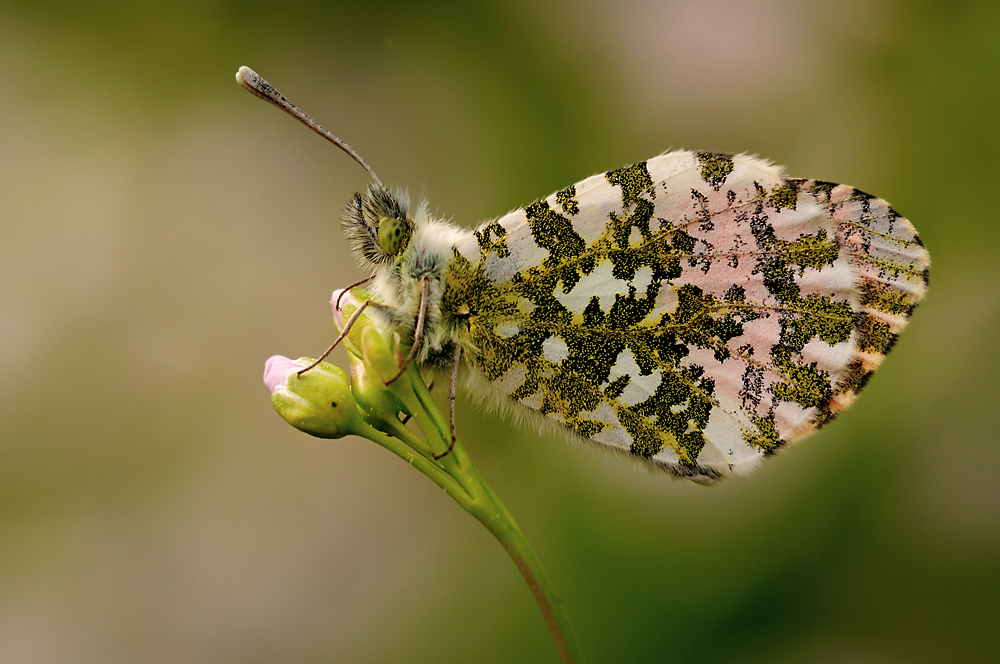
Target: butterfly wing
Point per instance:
(697, 310)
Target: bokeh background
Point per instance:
(162, 233)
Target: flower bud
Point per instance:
(318, 402)
(348, 304)
(383, 363)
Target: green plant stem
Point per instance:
(454, 472)
(426, 466)
(494, 515)
(458, 476)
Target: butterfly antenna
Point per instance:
(258, 87)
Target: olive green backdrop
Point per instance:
(162, 233)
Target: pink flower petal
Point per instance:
(337, 316)
(277, 369)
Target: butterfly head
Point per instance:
(378, 225)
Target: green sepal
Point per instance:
(375, 399)
(382, 360)
(349, 303)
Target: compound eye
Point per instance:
(393, 235)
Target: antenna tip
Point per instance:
(247, 77)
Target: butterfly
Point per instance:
(696, 311)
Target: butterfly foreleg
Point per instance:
(336, 305)
(347, 328)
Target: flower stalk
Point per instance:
(324, 402)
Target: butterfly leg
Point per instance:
(347, 328)
(418, 333)
(344, 292)
(452, 389)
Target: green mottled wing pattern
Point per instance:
(698, 310)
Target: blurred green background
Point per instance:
(162, 233)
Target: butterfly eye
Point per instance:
(393, 235)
